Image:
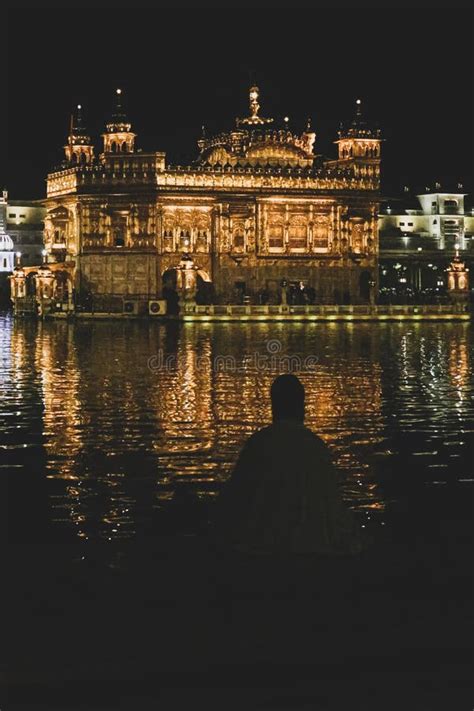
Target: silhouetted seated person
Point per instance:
(283, 494)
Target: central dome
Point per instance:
(256, 140)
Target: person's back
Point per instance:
(283, 495)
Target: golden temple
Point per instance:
(257, 212)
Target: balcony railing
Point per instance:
(326, 312)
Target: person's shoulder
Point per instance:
(273, 433)
(287, 428)
(318, 440)
(260, 435)
(310, 439)
(297, 428)
(258, 441)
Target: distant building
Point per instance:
(7, 251)
(419, 236)
(25, 225)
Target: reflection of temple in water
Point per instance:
(23, 458)
(120, 436)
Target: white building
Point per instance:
(418, 237)
(7, 250)
(7, 254)
(439, 222)
(25, 225)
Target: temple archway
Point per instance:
(62, 285)
(186, 278)
(30, 284)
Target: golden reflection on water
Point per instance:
(119, 434)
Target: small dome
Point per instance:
(6, 243)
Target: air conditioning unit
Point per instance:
(157, 307)
(130, 307)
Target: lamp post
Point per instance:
(458, 279)
(18, 259)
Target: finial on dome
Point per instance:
(254, 119)
(76, 126)
(119, 115)
(308, 124)
(118, 99)
(79, 116)
(253, 100)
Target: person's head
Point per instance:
(287, 393)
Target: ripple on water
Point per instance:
(112, 439)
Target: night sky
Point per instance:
(181, 69)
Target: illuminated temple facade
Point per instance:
(258, 210)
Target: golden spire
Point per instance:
(254, 118)
(253, 100)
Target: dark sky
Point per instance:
(180, 69)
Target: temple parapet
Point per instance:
(98, 176)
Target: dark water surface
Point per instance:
(101, 423)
